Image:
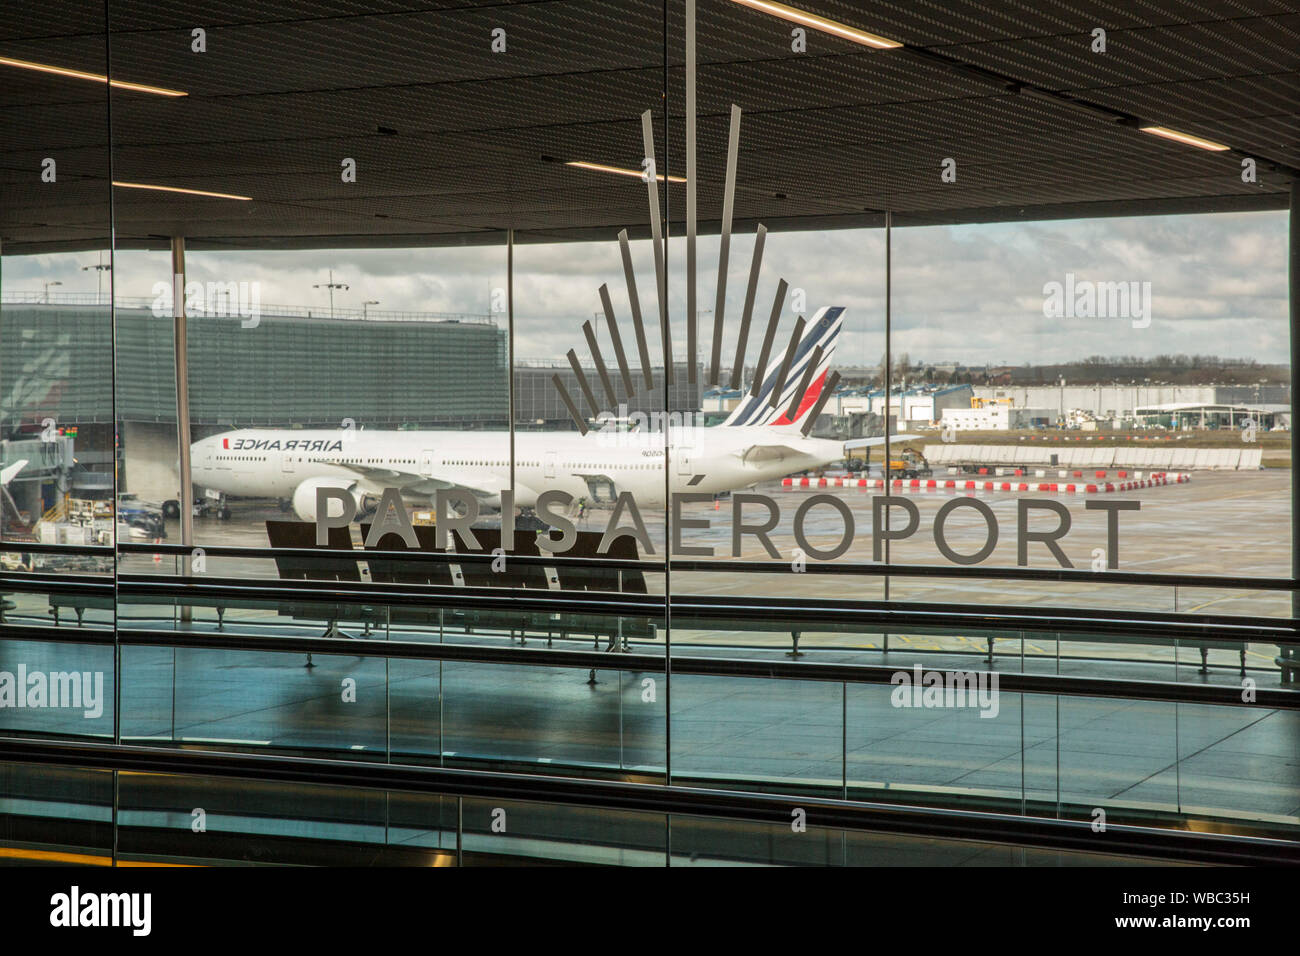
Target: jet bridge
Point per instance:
(46, 475)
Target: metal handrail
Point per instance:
(75, 550)
(364, 554)
(792, 609)
(1056, 575)
(121, 302)
(45, 582)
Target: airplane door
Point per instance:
(287, 462)
(426, 462)
(684, 456)
(550, 465)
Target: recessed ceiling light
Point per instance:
(821, 23)
(95, 77)
(177, 189)
(1187, 138)
(620, 171)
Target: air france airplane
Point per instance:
(757, 442)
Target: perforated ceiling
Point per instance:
(455, 143)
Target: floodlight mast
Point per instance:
(331, 285)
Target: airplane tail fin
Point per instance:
(823, 331)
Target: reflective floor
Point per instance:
(827, 738)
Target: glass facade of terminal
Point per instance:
(735, 433)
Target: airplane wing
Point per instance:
(411, 483)
(7, 474)
(776, 452)
(878, 440)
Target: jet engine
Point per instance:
(304, 496)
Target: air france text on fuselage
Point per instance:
(274, 444)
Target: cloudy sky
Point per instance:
(969, 294)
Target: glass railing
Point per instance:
(96, 817)
(1105, 717)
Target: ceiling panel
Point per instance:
(455, 143)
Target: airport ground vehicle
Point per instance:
(910, 464)
(143, 516)
(206, 507)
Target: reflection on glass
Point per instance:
(463, 355)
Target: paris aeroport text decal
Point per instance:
(752, 515)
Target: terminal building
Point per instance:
(997, 417)
(1126, 401)
(1211, 415)
(1051, 649)
(919, 405)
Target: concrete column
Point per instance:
(2, 417)
(1293, 284)
(182, 396)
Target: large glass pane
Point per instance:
(57, 470)
(716, 394)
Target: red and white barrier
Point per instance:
(968, 485)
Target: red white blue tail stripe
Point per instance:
(824, 330)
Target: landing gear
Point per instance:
(205, 506)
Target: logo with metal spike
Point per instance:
(805, 354)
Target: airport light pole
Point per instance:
(368, 302)
(47, 290)
(331, 285)
(101, 268)
(698, 313)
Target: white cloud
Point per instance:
(964, 293)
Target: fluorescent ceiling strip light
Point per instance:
(177, 189)
(821, 23)
(620, 171)
(1187, 138)
(97, 78)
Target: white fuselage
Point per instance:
(274, 462)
